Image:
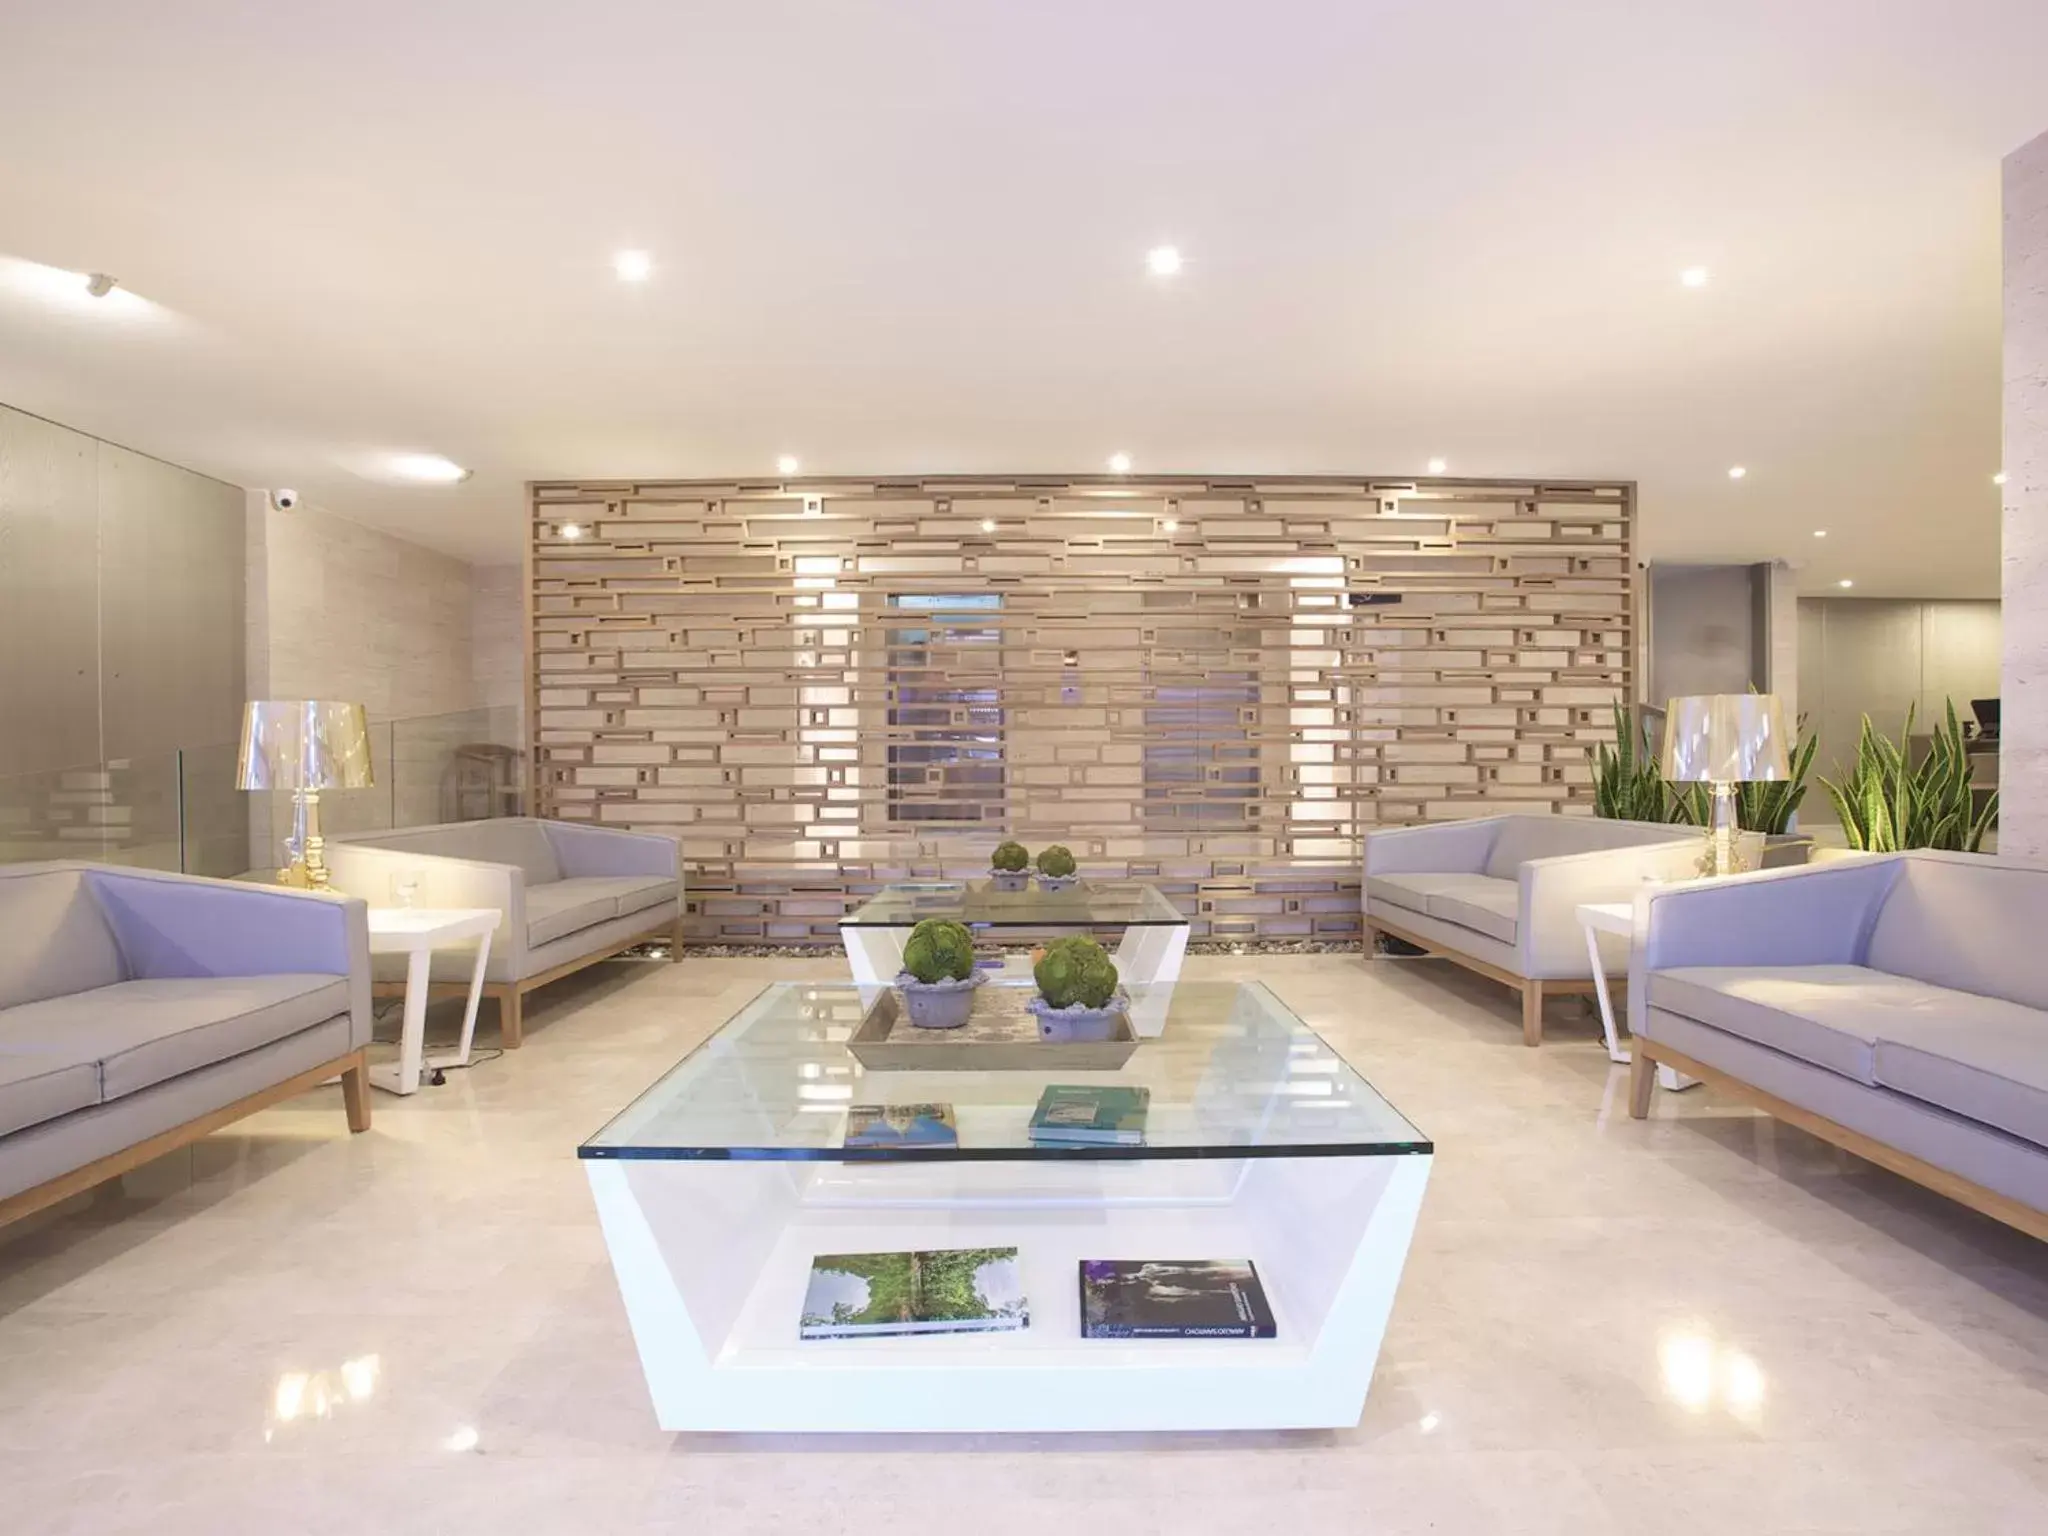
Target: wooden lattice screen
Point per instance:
(1215, 683)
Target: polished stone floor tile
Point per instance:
(1703, 1323)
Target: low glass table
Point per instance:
(1155, 934)
(720, 1184)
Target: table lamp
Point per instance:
(1724, 739)
(305, 746)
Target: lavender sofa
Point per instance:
(1896, 1006)
(1500, 895)
(140, 1011)
(571, 895)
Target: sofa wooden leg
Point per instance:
(1642, 1077)
(675, 942)
(355, 1093)
(1372, 942)
(1532, 1013)
(511, 1027)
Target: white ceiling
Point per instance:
(910, 237)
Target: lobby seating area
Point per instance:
(1157, 768)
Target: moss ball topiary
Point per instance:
(938, 950)
(1010, 857)
(1057, 862)
(1076, 970)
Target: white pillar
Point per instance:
(2023, 751)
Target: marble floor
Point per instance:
(1704, 1323)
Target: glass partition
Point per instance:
(181, 810)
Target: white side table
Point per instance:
(1617, 917)
(416, 932)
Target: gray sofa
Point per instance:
(1896, 1006)
(570, 895)
(139, 1011)
(1500, 895)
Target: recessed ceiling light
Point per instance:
(1119, 463)
(571, 530)
(787, 464)
(1438, 466)
(1694, 277)
(1737, 472)
(1845, 582)
(633, 266)
(427, 468)
(1999, 478)
(1171, 525)
(1163, 261)
(1820, 533)
(988, 525)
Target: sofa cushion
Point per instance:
(1966, 923)
(53, 938)
(563, 907)
(1410, 891)
(1989, 1064)
(1829, 1015)
(144, 1032)
(639, 892)
(1522, 838)
(1481, 903)
(38, 1088)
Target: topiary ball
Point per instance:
(939, 950)
(1010, 857)
(1076, 970)
(1056, 862)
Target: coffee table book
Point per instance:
(1105, 1116)
(901, 1125)
(946, 1290)
(1173, 1299)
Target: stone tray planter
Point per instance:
(1072, 1025)
(938, 1004)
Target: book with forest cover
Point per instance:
(1107, 1116)
(1173, 1299)
(901, 1125)
(946, 1290)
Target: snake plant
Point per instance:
(1886, 804)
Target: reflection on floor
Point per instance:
(1706, 1323)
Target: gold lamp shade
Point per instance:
(305, 746)
(1725, 738)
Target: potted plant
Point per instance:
(1056, 869)
(1078, 996)
(1009, 867)
(938, 977)
(1887, 804)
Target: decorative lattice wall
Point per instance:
(1217, 684)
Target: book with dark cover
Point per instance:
(1173, 1299)
(1105, 1116)
(948, 1290)
(901, 1125)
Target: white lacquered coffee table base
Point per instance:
(713, 1258)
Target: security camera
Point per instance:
(284, 500)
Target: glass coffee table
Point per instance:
(1155, 934)
(720, 1185)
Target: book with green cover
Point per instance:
(901, 1125)
(1173, 1299)
(948, 1290)
(1109, 1116)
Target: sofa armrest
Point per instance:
(171, 926)
(1812, 915)
(1548, 939)
(368, 872)
(1441, 848)
(601, 851)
